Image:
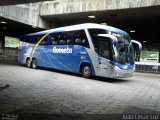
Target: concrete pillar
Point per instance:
(2, 41)
(159, 52)
(0, 44)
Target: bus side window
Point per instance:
(68, 41)
(54, 37)
(81, 38)
(85, 43)
(49, 40)
(44, 41)
(104, 48)
(65, 38)
(69, 36)
(94, 36)
(35, 40)
(54, 41)
(78, 41)
(63, 42)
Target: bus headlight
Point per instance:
(117, 68)
(134, 68)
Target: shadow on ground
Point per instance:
(102, 79)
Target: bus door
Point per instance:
(103, 58)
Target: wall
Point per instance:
(25, 13)
(74, 6)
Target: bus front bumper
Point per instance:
(120, 73)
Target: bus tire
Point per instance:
(28, 63)
(34, 64)
(86, 71)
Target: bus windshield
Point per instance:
(124, 49)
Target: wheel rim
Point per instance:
(87, 71)
(34, 64)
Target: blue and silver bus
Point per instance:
(89, 49)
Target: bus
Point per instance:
(89, 49)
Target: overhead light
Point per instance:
(132, 31)
(92, 16)
(3, 22)
(144, 41)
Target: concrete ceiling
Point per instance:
(16, 29)
(13, 2)
(145, 21)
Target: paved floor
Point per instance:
(48, 92)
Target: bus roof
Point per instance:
(78, 27)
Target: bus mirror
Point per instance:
(138, 43)
(113, 38)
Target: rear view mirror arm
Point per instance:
(138, 43)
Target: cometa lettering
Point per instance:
(62, 50)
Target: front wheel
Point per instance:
(34, 64)
(86, 71)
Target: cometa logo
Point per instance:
(62, 50)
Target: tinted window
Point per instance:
(94, 36)
(54, 39)
(77, 37)
(104, 48)
(45, 41)
(80, 38)
(70, 38)
(35, 39)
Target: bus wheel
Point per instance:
(34, 63)
(86, 71)
(28, 63)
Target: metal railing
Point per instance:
(9, 55)
(147, 67)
